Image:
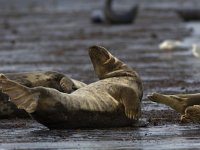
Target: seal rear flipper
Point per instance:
(23, 97)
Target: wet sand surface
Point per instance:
(54, 35)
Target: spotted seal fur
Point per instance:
(113, 101)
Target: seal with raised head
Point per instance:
(186, 104)
(113, 101)
(111, 16)
(114, 17)
(189, 14)
(49, 79)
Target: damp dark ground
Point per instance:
(54, 35)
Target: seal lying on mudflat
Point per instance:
(113, 101)
(186, 104)
(33, 79)
(189, 14)
(111, 16)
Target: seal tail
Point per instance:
(22, 96)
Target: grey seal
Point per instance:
(113, 101)
(111, 16)
(186, 104)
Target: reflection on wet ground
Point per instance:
(54, 35)
(35, 136)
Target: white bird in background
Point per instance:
(175, 44)
(172, 44)
(196, 50)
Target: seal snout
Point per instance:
(150, 96)
(2, 77)
(98, 54)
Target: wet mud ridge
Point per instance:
(54, 35)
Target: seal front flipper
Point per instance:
(69, 85)
(131, 104)
(23, 97)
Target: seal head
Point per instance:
(106, 65)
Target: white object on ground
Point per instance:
(196, 50)
(172, 44)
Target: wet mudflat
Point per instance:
(34, 136)
(54, 35)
